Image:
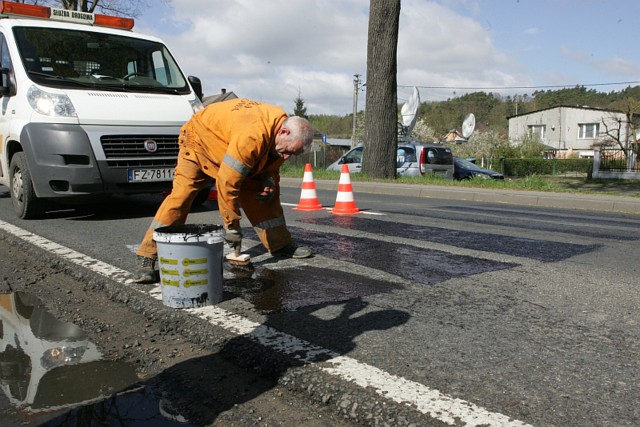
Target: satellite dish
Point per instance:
(408, 111)
(468, 125)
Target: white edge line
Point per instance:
(426, 400)
(330, 209)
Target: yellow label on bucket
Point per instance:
(188, 272)
(190, 283)
(168, 282)
(189, 261)
(168, 261)
(169, 272)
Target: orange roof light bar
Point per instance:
(114, 21)
(13, 8)
(24, 9)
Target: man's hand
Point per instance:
(233, 238)
(268, 190)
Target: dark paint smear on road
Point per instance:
(541, 250)
(420, 265)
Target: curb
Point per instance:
(543, 199)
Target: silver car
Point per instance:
(413, 159)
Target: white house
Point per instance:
(567, 129)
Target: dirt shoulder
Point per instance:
(207, 387)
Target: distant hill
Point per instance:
(491, 110)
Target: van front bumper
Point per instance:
(67, 160)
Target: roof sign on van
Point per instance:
(34, 11)
(72, 16)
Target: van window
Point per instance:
(439, 156)
(353, 156)
(5, 60)
(406, 154)
(70, 58)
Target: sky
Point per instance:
(276, 50)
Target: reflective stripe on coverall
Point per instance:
(232, 142)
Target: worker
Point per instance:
(241, 144)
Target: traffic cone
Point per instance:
(345, 205)
(308, 197)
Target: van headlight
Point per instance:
(196, 105)
(50, 104)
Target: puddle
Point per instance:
(290, 289)
(51, 374)
(541, 250)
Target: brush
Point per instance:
(238, 258)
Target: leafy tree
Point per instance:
(487, 147)
(530, 147)
(380, 127)
(334, 126)
(423, 131)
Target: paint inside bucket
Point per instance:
(190, 263)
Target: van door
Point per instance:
(406, 161)
(5, 111)
(436, 160)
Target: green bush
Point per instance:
(526, 167)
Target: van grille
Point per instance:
(129, 150)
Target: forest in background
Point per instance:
(490, 109)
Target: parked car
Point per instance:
(413, 159)
(467, 169)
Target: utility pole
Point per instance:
(356, 88)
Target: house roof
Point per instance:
(577, 107)
(222, 96)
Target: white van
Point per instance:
(87, 107)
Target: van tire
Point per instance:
(23, 197)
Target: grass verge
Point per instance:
(552, 183)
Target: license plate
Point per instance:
(150, 175)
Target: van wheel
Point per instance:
(25, 203)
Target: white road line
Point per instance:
(426, 400)
(329, 209)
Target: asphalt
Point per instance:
(588, 201)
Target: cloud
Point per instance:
(531, 31)
(274, 50)
(619, 67)
(613, 66)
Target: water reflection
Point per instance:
(51, 373)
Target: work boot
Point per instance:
(293, 251)
(147, 272)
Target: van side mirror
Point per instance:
(8, 86)
(196, 84)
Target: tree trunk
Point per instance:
(381, 118)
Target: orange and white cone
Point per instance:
(345, 204)
(308, 197)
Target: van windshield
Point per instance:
(70, 58)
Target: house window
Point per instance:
(538, 130)
(588, 130)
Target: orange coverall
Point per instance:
(232, 142)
